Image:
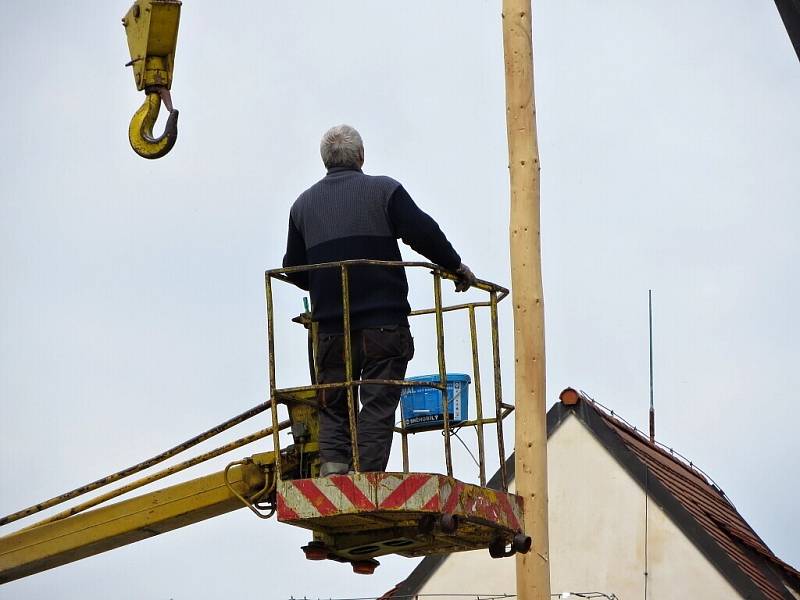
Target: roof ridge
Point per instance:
(677, 458)
(666, 451)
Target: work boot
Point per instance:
(333, 468)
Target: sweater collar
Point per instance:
(337, 170)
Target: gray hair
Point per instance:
(341, 146)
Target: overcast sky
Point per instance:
(132, 307)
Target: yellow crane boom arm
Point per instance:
(43, 547)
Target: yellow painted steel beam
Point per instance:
(53, 544)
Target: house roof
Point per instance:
(688, 496)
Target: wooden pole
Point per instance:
(533, 569)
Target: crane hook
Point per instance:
(140, 131)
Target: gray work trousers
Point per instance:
(379, 353)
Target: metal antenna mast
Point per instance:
(652, 409)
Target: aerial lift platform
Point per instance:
(353, 518)
(360, 516)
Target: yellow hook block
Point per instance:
(140, 131)
(151, 27)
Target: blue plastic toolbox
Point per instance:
(422, 405)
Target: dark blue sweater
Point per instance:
(349, 215)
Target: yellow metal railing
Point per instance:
(144, 465)
(495, 292)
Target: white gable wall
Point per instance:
(597, 536)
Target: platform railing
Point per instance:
(496, 293)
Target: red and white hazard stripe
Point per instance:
(418, 492)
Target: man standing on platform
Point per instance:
(349, 215)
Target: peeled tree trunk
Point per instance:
(533, 568)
